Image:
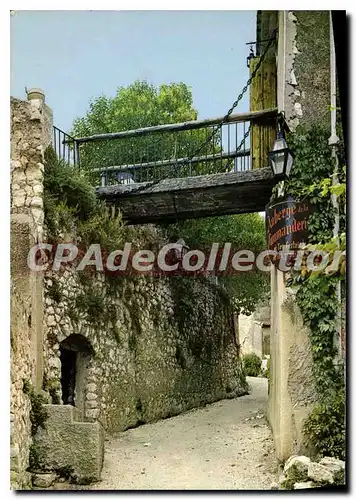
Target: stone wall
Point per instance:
(29, 132)
(28, 129)
(291, 385)
(21, 369)
(303, 93)
(145, 348)
(304, 67)
(254, 332)
(154, 355)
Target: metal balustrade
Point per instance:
(188, 149)
(65, 146)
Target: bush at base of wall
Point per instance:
(252, 365)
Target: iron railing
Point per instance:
(65, 146)
(159, 152)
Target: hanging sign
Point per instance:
(287, 223)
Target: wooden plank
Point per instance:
(263, 94)
(189, 125)
(256, 98)
(191, 197)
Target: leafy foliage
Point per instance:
(70, 205)
(312, 164)
(317, 301)
(103, 228)
(295, 475)
(246, 231)
(316, 294)
(335, 250)
(137, 106)
(68, 195)
(326, 425)
(252, 365)
(93, 304)
(38, 414)
(243, 231)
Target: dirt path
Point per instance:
(225, 445)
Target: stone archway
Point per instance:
(75, 354)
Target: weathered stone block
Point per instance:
(43, 480)
(93, 413)
(92, 404)
(300, 464)
(66, 443)
(51, 321)
(319, 473)
(333, 464)
(91, 396)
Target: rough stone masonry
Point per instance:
(147, 350)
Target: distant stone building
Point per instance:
(254, 332)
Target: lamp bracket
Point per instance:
(281, 122)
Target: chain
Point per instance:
(244, 138)
(227, 116)
(241, 144)
(240, 96)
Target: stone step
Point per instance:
(69, 444)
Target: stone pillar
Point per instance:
(279, 403)
(303, 93)
(291, 387)
(31, 132)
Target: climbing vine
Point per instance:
(316, 295)
(38, 414)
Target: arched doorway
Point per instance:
(76, 352)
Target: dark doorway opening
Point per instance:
(76, 352)
(68, 360)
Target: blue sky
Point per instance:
(77, 55)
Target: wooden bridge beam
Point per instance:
(170, 200)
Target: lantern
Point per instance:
(280, 158)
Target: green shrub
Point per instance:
(67, 184)
(70, 205)
(93, 304)
(252, 365)
(325, 425)
(38, 414)
(294, 476)
(102, 228)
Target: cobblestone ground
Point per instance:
(224, 446)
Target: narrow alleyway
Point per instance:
(225, 445)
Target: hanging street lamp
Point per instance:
(281, 158)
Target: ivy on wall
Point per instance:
(316, 295)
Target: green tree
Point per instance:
(142, 105)
(244, 232)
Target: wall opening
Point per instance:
(266, 342)
(76, 352)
